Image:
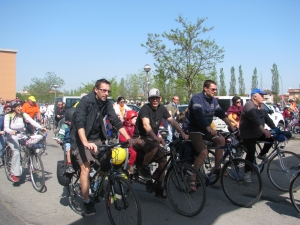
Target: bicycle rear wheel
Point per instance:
(296, 128)
(122, 203)
(75, 195)
(295, 191)
(236, 189)
(7, 154)
(281, 168)
(37, 173)
(178, 186)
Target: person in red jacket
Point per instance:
(286, 115)
(129, 125)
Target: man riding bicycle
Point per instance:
(88, 131)
(146, 140)
(201, 110)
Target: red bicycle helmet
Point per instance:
(130, 114)
(14, 103)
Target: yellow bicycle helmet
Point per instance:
(118, 155)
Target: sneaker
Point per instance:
(261, 157)
(145, 172)
(14, 178)
(247, 177)
(70, 169)
(160, 193)
(88, 209)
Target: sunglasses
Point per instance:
(213, 89)
(238, 102)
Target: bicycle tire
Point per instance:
(122, 203)
(296, 129)
(236, 189)
(183, 199)
(7, 154)
(75, 195)
(37, 173)
(278, 177)
(295, 191)
(42, 150)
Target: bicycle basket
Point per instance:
(33, 140)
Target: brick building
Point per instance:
(8, 74)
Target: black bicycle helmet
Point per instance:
(69, 114)
(14, 103)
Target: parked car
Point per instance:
(134, 107)
(182, 107)
(225, 102)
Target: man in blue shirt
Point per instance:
(201, 110)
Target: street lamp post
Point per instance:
(55, 86)
(147, 68)
(281, 87)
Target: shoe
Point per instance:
(14, 178)
(88, 209)
(160, 193)
(247, 177)
(145, 172)
(70, 169)
(261, 157)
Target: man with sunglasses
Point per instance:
(201, 110)
(147, 143)
(252, 128)
(88, 131)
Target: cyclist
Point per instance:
(7, 109)
(120, 108)
(146, 140)
(88, 131)
(59, 113)
(15, 121)
(32, 109)
(253, 119)
(202, 107)
(47, 113)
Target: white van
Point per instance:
(226, 101)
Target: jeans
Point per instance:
(170, 133)
(2, 144)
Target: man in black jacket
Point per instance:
(88, 130)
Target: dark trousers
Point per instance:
(250, 144)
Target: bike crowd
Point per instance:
(95, 121)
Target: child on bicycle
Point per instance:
(129, 125)
(64, 137)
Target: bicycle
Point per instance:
(235, 188)
(121, 200)
(295, 192)
(177, 181)
(29, 158)
(281, 164)
(49, 122)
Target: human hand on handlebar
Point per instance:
(267, 133)
(92, 147)
(161, 141)
(130, 142)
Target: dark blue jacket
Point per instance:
(201, 111)
(1, 123)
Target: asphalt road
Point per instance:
(21, 204)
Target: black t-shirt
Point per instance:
(155, 117)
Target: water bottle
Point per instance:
(97, 182)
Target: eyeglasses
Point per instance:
(104, 90)
(154, 98)
(238, 102)
(213, 89)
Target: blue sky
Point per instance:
(83, 41)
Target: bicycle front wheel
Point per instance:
(37, 173)
(7, 155)
(236, 189)
(281, 168)
(179, 186)
(295, 191)
(122, 204)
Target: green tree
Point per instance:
(242, 88)
(232, 89)
(275, 83)
(189, 56)
(43, 88)
(254, 79)
(222, 86)
(122, 90)
(214, 77)
(133, 87)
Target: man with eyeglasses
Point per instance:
(146, 141)
(252, 128)
(88, 131)
(201, 110)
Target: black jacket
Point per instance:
(85, 115)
